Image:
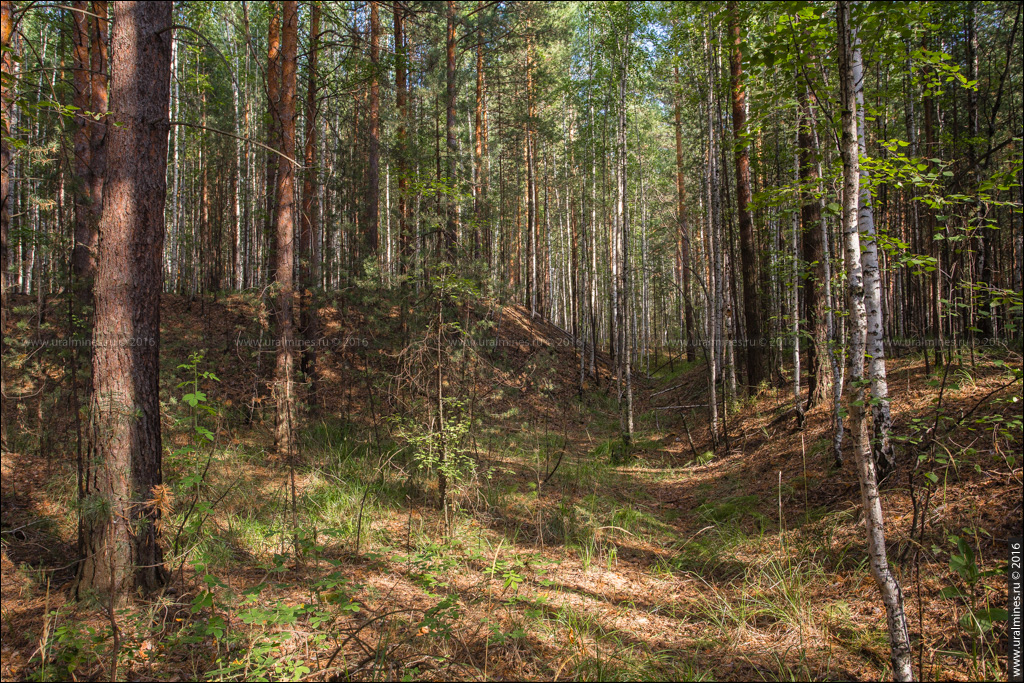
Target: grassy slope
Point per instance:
(672, 565)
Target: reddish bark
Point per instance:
(748, 255)
(121, 509)
(273, 131)
(284, 372)
(83, 255)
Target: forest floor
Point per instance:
(562, 557)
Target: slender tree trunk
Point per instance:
(888, 586)
(401, 153)
(284, 372)
(531, 182)
(815, 302)
(748, 256)
(452, 222)
(794, 310)
(885, 458)
(97, 129)
(239, 182)
(622, 211)
(84, 251)
(273, 135)
(174, 268)
(207, 246)
(592, 280)
(372, 223)
(7, 66)
(308, 252)
(122, 508)
(833, 329)
(683, 246)
(479, 197)
(935, 296)
(712, 248)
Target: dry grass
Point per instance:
(748, 565)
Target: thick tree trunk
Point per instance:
(748, 256)
(888, 586)
(284, 371)
(121, 509)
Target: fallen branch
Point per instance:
(665, 391)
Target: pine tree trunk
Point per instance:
(97, 129)
(273, 136)
(815, 303)
(401, 95)
(121, 513)
(308, 252)
(84, 252)
(452, 218)
(284, 371)
(683, 245)
(479, 195)
(748, 256)
(372, 202)
(622, 211)
(7, 65)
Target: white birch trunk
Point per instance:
(875, 346)
(888, 586)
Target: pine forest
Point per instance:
(504, 340)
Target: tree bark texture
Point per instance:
(888, 586)
(122, 506)
(284, 370)
(748, 256)
(307, 244)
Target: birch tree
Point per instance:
(888, 586)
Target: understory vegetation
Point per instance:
(508, 340)
(558, 555)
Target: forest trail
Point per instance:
(674, 562)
